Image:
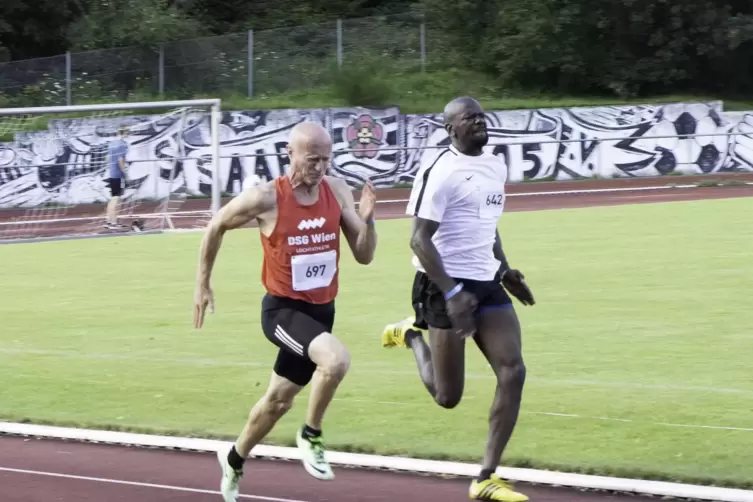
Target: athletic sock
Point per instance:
(235, 460)
(310, 432)
(485, 474)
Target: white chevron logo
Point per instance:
(309, 224)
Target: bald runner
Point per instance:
(300, 216)
(460, 288)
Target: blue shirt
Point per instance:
(116, 150)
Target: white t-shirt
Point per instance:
(466, 195)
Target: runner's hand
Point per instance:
(368, 202)
(514, 282)
(203, 297)
(461, 308)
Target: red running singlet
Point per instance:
(302, 255)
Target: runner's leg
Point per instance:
(275, 403)
(440, 365)
(441, 362)
(499, 340)
(311, 354)
(263, 416)
(332, 363)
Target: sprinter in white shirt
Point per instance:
(458, 292)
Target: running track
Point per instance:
(45, 470)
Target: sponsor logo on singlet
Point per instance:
(312, 224)
(305, 240)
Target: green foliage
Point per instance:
(362, 85)
(625, 49)
(35, 29)
(120, 23)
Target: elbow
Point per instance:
(416, 242)
(365, 259)
(366, 256)
(215, 229)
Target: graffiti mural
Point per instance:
(172, 153)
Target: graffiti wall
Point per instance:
(171, 153)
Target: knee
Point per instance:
(513, 375)
(277, 404)
(337, 365)
(448, 400)
(449, 396)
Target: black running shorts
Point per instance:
(292, 325)
(116, 186)
(431, 309)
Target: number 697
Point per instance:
(315, 270)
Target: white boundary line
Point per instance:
(638, 486)
(139, 484)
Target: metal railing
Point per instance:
(252, 63)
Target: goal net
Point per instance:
(55, 164)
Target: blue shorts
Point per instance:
(431, 309)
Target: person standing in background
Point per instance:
(117, 150)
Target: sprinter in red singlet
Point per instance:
(300, 216)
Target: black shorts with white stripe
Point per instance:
(292, 325)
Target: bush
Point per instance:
(363, 84)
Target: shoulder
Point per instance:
(338, 185)
(267, 193)
(340, 188)
(261, 197)
(494, 160)
(445, 159)
(436, 170)
(118, 145)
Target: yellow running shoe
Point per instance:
(394, 334)
(496, 489)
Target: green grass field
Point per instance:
(638, 350)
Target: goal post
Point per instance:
(55, 163)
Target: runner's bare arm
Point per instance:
(423, 247)
(361, 235)
(499, 254)
(245, 207)
(513, 280)
(427, 204)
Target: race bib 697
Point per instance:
(312, 271)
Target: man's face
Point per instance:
(469, 126)
(311, 161)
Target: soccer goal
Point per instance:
(55, 165)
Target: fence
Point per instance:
(253, 63)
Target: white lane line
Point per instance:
(139, 484)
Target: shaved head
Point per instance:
(310, 151)
(457, 106)
(305, 134)
(465, 123)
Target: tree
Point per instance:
(122, 23)
(35, 29)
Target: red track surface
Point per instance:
(33, 470)
(110, 473)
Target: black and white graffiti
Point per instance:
(172, 153)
